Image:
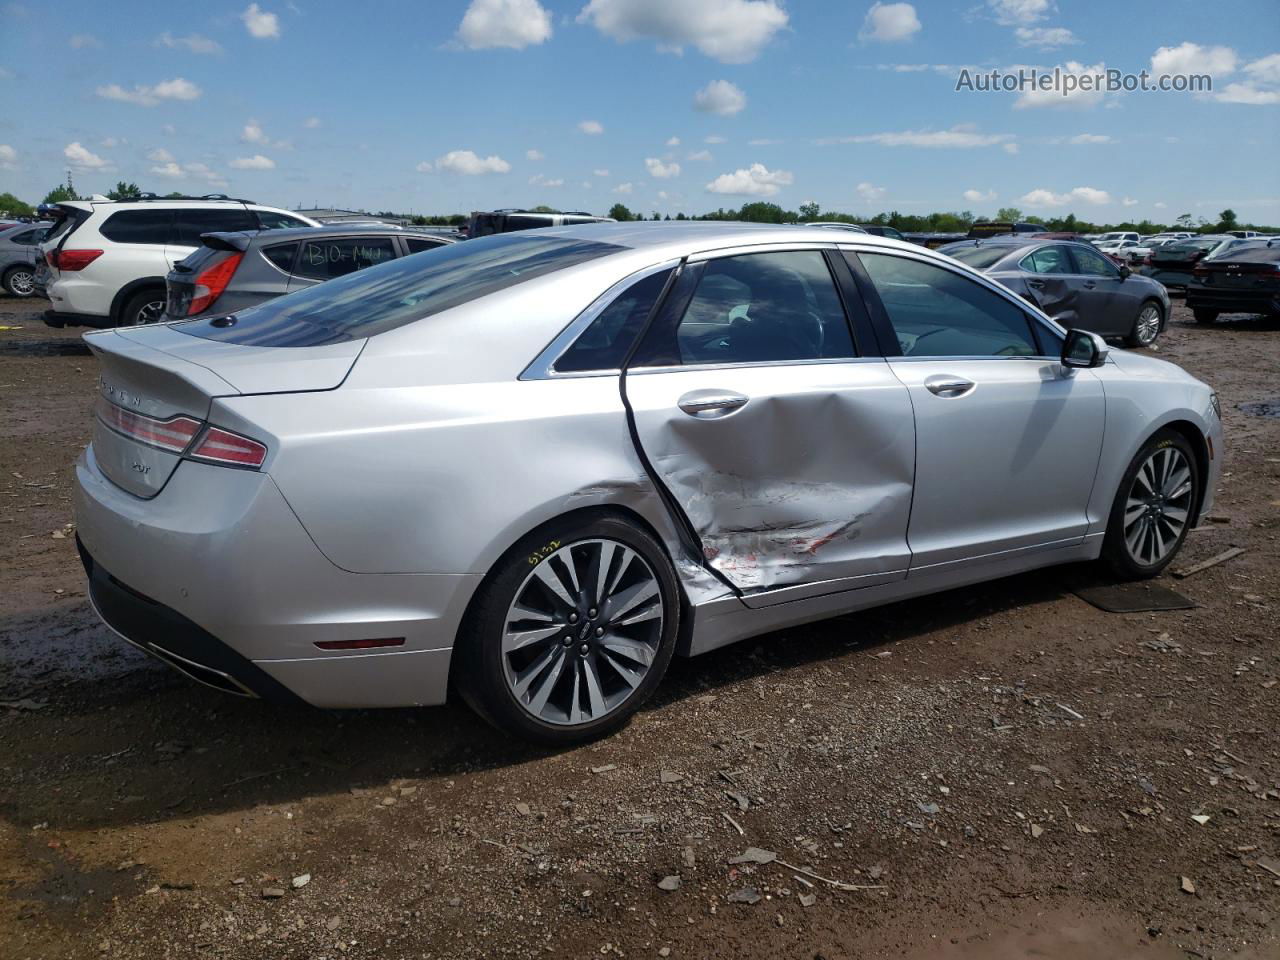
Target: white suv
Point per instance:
(108, 258)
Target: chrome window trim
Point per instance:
(817, 361)
(767, 247)
(1033, 312)
(543, 365)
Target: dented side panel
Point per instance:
(808, 483)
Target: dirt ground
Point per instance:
(998, 772)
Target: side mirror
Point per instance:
(1125, 272)
(1084, 349)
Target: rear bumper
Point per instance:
(54, 318)
(79, 301)
(1232, 301)
(217, 570)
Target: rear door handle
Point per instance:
(944, 386)
(710, 404)
(1038, 284)
(1090, 284)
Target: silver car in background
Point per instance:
(19, 253)
(540, 464)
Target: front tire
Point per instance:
(20, 281)
(1204, 316)
(1154, 508)
(571, 632)
(1146, 325)
(143, 308)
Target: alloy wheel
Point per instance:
(1147, 327)
(150, 312)
(22, 283)
(1158, 506)
(583, 631)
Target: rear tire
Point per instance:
(143, 308)
(571, 631)
(1146, 325)
(1154, 508)
(1203, 315)
(20, 281)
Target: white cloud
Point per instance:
(252, 133)
(1247, 93)
(592, 128)
(1266, 70)
(1045, 37)
(977, 196)
(1010, 13)
(714, 139)
(623, 188)
(753, 181)
(169, 168)
(202, 171)
(512, 24)
(1080, 138)
(731, 31)
(1192, 58)
(1047, 198)
(534, 155)
(601, 172)
(763, 142)
(890, 23)
(311, 123)
(110, 142)
(424, 167)
(1160, 205)
(673, 141)
(166, 166)
(870, 192)
(260, 23)
(81, 41)
(194, 43)
(1076, 97)
(720, 97)
(8, 157)
(168, 129)
(538, 180)
(1011, 148)
(1129, 202)
(160, 155)
(700, 156)
(82, 159)
(466, 162)
(959, 136)
(663, 171)
(256, 162)
(148, 96)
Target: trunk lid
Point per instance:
(157, 385)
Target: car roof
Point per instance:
(333, 230)
(692, 235)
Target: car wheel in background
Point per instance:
(144, 307)
(20, 281)
(1205, 316)
(1153, 509)
(1146, 325)
(571, 631)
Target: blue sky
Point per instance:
(665, 105)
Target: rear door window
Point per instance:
(338, 256)
(390, 295)
(418, 244)
(189, 224)
(1093, 264)
(138, 226)
(1052, 259)
(939, 313)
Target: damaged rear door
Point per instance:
(791, 456)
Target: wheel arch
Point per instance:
(128, 290)
(1200, 450)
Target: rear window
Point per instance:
(980, 257)
(138, 226)
(1252, 254)
(390, 295)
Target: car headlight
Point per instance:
(1216, 404)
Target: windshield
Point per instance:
(381, 298)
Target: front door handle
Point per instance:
(709, 404)
(1035, 283)
(944, 386)
(1090, 284)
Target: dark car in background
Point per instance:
(1073, 283)
(996, 228)
(19, 254)
(233, 271)
(484, 224)
(1243, 280)
(1172, 263)
(877, 230)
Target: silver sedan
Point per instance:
(540, 464)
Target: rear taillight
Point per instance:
(1199, 270)
(71, 259)
(210, 284)
(230, 449)
(173, 435)
(1148, 260)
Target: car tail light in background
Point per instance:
(71, 259)
(174, 434)
(229, 449)
(1199, 270)
(210, 283)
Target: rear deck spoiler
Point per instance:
(230, 242)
